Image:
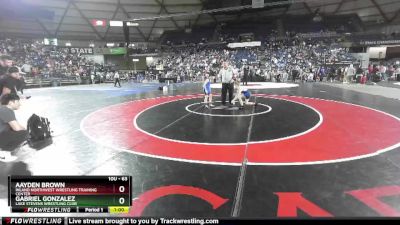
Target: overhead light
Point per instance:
(257, 4)
(132, 24)
(91, 45)
(68, 44)
(116, 23)
(99, 23)
(110, 44)
(135, 60)
(158, 31)
(317, 18)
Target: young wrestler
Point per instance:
(242, 93)
(207, 91)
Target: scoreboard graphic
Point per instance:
(99, 195)
(70, 194)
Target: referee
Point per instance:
(116, 79)
(226, 75)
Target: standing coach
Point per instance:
(226, 75)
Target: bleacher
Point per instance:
(50, 82)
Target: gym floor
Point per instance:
(312, 150)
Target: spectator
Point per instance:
(10, 83)
(5, 63)
(349, 74)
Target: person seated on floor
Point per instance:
(242, 93)
(21, 86)
(12, 133)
